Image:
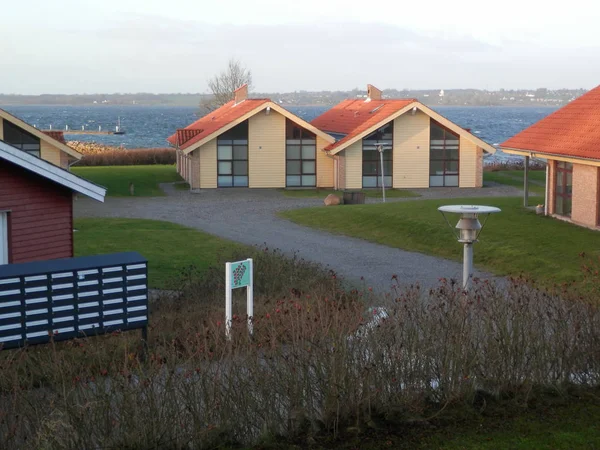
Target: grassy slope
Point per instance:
(322, 193)
(559, 427)
(513, 242)
(515, 178)
(168, 247)
(117, 178)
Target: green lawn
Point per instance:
(559, 427)
(513, 242)
(514, 178)
(117, 178)
(168, 247)
(322, 193)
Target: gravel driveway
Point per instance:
(250, 217)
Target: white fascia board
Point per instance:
(51, 172)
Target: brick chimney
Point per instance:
(373, 93)
(240, 94)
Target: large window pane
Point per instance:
(436, 181)
(294, 167)
(436, 167)
(225, 152)
(309, 180)
(240, 181)
(21, 139)
(240, 168)
(300, 156)
(293, 152)
(451, 180)
(369, 182)
(225, 181)
(224, 168)
(370, 155)
(387, 168)
(370, 168)
(240, 152)
(388, 181)
(452, 167)
(308, 167)
(308, 152)
(443, 156)
(293, 180)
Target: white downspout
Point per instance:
(336, 173)
(547, 190)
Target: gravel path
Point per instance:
(250, 217)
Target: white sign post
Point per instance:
(237, 275)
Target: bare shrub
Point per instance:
(513, 164)
(318, 362)
(103, 155)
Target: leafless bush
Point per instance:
(318, 362)
(130, 157)
(104, 155)
(513, 164)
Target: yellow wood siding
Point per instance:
(468, 164)
(411, 151)
(353, 169)
(341, 170)
(208, 164)
(324, 165)
(1, 128)
(266, 150)
(50, 153)
(195, 181)
(479, 171)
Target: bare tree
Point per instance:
(223, 85)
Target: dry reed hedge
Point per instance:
(103, 155)
(319, 361)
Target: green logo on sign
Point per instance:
(240, 274)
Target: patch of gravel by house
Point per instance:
(250, 217)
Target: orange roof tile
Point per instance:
(573, 130)
(214, 121)
(353, 117)
(56, 135)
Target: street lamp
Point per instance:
(381, 147)
(469, 228)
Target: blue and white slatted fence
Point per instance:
(74, 297)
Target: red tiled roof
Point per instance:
(214, 121)
(353, 117)
(56, 135)
(573, 130)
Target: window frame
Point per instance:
(563, 172)
(236, 137)
(295, 132)
(388, 156)
(12, 128)
(445, 160)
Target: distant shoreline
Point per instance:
(109, 105)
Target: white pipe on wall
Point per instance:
(547, 190)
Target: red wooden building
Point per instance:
(36, 207)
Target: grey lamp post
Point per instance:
(380, 149)
(469, 228)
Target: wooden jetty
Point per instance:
(87, 131)
(67, 130)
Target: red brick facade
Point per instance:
(585, 193)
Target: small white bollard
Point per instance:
(237, 275)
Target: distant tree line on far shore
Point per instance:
(457, 97)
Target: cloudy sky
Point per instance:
(85, 46)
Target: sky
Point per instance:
(168, 46)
